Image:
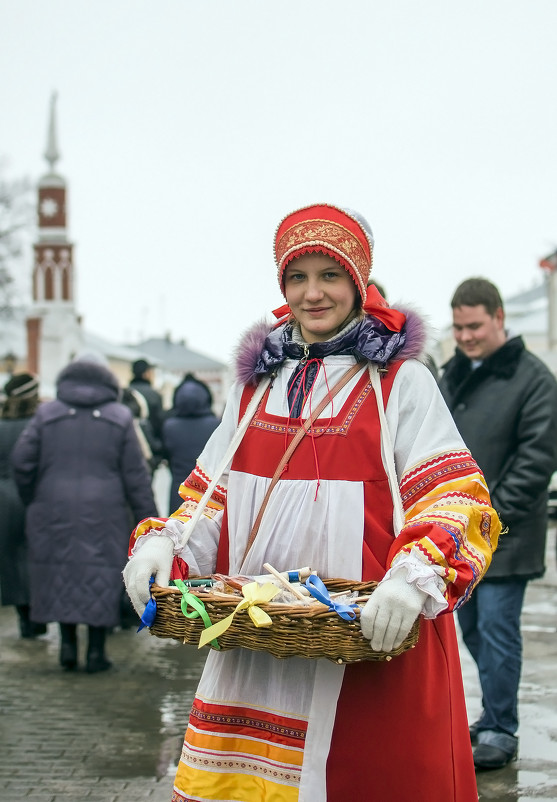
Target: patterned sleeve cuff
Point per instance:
(426, 577)
(175, 530)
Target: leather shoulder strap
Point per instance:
(300, 434)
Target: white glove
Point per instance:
(388, 616)
(154, 558)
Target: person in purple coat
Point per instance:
(80, 471)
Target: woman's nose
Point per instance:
(314, 291)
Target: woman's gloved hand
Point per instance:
(154, 558)
(387, 617)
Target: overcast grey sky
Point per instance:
(189, 129)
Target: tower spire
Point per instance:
(52, 154)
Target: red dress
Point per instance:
(268, 730)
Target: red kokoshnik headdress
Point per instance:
(327, 229)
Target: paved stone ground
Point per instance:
(111, 737)
(116, 737)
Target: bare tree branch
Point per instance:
(16, 221)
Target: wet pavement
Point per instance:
(533, 776)
(116, 736)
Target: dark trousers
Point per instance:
(490, 624)
(96, 638)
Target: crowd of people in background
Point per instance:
(76, 476)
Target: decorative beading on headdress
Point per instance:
(345, 236)
(327, 229)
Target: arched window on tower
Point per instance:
(48, 284)
(65, 284)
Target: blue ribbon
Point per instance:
(320, 592)
(149, 613)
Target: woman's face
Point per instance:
(320, 294)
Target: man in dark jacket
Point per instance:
(142, 382)
(504, 402)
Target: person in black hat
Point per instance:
(142, 382)
(22, 399)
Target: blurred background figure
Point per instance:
(151, 446)
(79, 469)
(142, 382)
(503, 399)
(185, 430)
(22, 399)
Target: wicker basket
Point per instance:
(297, 631)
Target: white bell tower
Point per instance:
(54, 332)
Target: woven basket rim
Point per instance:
(314, 608)
(309, 631)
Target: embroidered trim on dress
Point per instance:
(342, 429)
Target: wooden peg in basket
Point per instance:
(285, 582)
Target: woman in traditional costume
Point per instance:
(294, 730)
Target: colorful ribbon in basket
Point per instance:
(318, 590)
(198, 609)
(254, 594)
(149, 612)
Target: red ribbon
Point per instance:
(180, 569)
(377, 306)
(282, 311)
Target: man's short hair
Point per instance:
(476, 291)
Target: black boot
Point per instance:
(28, 628)
(24, 620)
(96, 659)
(68, 646)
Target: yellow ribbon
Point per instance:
(254, 594)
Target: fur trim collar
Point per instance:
(264, 338)
(502, 364)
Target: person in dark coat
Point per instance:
(186, 429)
(151, 445)
(79, 468)
(142, 382)
(22, 399)
(504, 402)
